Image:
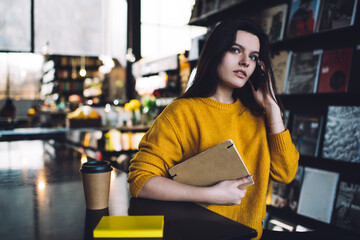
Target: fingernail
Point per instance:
(249, 177)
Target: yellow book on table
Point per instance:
(130, 227)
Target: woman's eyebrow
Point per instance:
(242, 48)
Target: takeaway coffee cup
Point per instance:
(96, 182)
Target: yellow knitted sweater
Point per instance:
(187, 127)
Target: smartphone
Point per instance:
(257, 77)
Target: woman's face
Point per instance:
(239, 61)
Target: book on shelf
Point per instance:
(287, 195)
(342, 131)
(280, 64)
(317, 194)
(302, 17)
(335, 70)
(273, 22)
(354, 83)
(335, 14)
(306, 134)
(347, 208)
(303, 72)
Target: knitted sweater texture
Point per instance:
(187, 127)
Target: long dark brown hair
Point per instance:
(218, 42)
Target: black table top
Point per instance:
(42, 198)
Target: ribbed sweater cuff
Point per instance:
(280, 142)
(136, 186)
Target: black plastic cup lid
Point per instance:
(96, 167)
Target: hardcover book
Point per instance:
(341, 139)
(302, 18)
(273, 22)
(336, 14)
(287, 195)
(280, 64)
(303, 72)
(130, 227)
(219, 163)
(306, 133)
(347, 210)
(335, 70)
(317, 194)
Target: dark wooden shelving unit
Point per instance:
(314, 103)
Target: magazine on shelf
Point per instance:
(335, 14)
(317, 194)
(342, 131)
(303, 72)
(287, 195)
(347, 208)
(306, 133)
(273, 22)
(280, 64)
(354, 83)
(335, 70)
(303, 17)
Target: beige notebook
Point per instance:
(221, 162)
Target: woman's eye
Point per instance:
(254, 58)
(234, 50)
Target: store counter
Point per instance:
(32, 134)
(182, 221)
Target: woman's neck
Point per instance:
(223, 95)
(223, 99)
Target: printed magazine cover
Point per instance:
(273, 22)
(336, 14)
(347, 210)
(342, 134)
(317, 194)
(335, 70)
(306, 133)
(287, 195)
(281, 63)
(303, 17)
(303, 73)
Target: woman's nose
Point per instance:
(244, 60)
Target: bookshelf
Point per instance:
(62, 77)
(312, 103)
(164, 77)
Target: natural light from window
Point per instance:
(164, 27)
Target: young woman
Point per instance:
(222, 104)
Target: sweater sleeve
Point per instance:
(159, 150)
(284, 157)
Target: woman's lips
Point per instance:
(240, 73)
